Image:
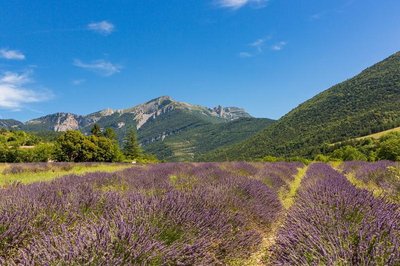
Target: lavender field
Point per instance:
(206, 214)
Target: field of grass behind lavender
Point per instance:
(203, 214)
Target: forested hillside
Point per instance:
(365, 104)
(199, 140)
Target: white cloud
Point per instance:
(236, 4)
(279, 46)
(13, 91)
(258, 44)
(245, 55)
(101, 67)
(11, 54)
(77, 82)
(103, 27)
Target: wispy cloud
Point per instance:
(329, 12)
(317, 16)
(103, 27)
(278, 46)
(236, 4)
(258, 44)
(11, 54)
(77, 82)
(14, 93)
(245, 55)
(256, 47)
(101, 67)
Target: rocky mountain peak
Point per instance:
(230, 113)
(151, 109)
(138, 115)
(219, 110)
(161, 99)
(107, 112)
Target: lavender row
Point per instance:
(383, 174)
(279, 175)
(334, 223)
(167, 214)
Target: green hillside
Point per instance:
(197, 140)
(360, 106)
(173, 123)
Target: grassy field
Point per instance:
(376, 136)
(288, 198)
(380, 134)
(30, 173)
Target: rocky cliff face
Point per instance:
(58, 122)
(95, 117)
(165, 104)
(138, 116)
(151, 110)
(230, 113)
(66, 122)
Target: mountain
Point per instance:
(10, 123)
(140, 116)
(157, 121)
(58, 122)
(362, 105)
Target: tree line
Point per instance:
(386, 147)
(369, 149)
(72, 146)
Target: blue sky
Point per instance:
(265, 56)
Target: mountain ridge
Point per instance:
(156, 121)
(142, 113)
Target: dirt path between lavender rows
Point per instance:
(287, 199)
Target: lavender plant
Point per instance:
(334, 223)
(165, 214)
(384, 175)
